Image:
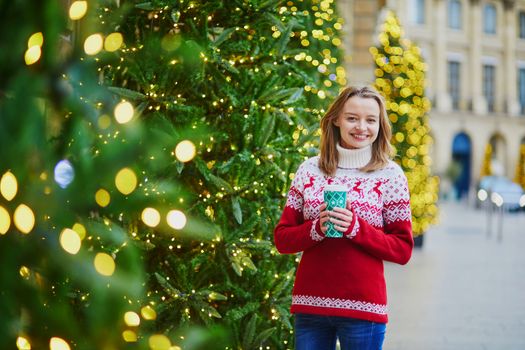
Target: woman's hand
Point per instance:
(341, 217)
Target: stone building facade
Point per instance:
(475, 51)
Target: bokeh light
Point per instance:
(129, 336)
(77, 10)
(176, 219)
(148, 313)
(159, 342)
(80, 229)
(124, 112)
(131, 319)
(93, 44)
(126, 181)
(56, 343)
(37, 39)
(64, 173)
(104, 264)
(185, 151)
(113, 42)
(5, 221)
(22, 343)
(8, 186)
(151, 217)
(102, 197)
(32, 55)
(24, 218)
(70, 241)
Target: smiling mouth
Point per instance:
(359, 137)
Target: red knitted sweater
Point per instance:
(344, 276)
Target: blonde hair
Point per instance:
(382, 150)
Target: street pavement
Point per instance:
(464, 289)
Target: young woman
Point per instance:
(339, 291)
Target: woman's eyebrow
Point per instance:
(370, 115)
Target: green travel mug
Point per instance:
(334, 196)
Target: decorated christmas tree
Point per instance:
(400, 77)
(252, 78)
(146, 151)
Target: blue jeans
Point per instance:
(316, 332)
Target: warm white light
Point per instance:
(70, 241)
(176, 219)
(8, 186)
(24, 218)
(132, 319)
(23, 344)
(77, 10)
(124, 112)
(93, 44)
(32, 55)
(185, 151)
(5, 221)
(151, 217)
(58, 344)
(37, 39)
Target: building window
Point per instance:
(489, 84)
(454, 79)
(521, 89)
(418, 11)
(489, 19)
(522, 24)
(454, 14)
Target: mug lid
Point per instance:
(338, 188)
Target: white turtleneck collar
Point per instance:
(353, 158)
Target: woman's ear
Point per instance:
(336, 122)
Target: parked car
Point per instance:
(502, 192)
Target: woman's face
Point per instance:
(358, 122)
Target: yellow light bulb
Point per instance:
(176, 219)
(132, 319)
(37, 39)
(159, 342)
(80, 229)
(104, 264)
(5, 221)
(124, 112)
(126, 181)
(148, 313)
(77, 10)
(185, 151)
(8, 186)
(151, 217)
(70, 241)
(102, 197)
(23, 344)
(56, 343)
(24, 218)
(93, 44)
(129, 336)
(32, 55)
(113, 42)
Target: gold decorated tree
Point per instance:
(400, 77)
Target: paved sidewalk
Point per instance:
(464, 290)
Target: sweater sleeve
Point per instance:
(394, 241)
(293, 233)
